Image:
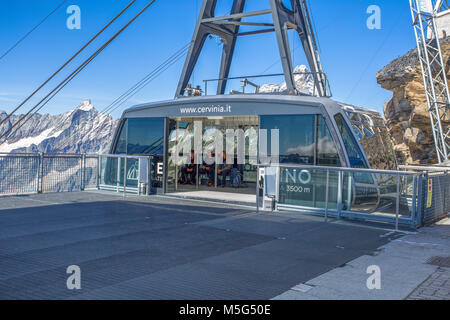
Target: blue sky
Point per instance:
(351, 54)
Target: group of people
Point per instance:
(188, 174)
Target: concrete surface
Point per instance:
(234, 198)
(404, 272)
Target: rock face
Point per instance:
(406, 114)
(82, 130)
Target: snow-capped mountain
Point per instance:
(85, 130)
(81, 130)
(304, 82)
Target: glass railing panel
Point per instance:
(132, 176)
(108, 171)
(381, 197)
(351, 193)
(307, 188)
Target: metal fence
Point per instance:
(414, 197)
(435, 192)
(25, 173)
(394, 197)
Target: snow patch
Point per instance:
(86, 105)
(29, 141)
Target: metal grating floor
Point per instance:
(148, 248)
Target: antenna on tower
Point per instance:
(228, 29)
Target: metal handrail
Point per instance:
(37, 154)
(426, 168)
(323, 74)
(417, 176)
(311, 167)
(123, 156)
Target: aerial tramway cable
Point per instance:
(62, 84)
(67, 62)
(140, 84)
(31, 31)
(49, 97)
(147, 79)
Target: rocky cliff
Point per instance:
(406, 114)
(81, 130)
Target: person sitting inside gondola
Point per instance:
(188, 172)
(234, 170)
(208, 170)
(224, 170)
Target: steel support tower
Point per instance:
(227, 28)
(424, 13)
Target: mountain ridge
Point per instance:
(81, 130)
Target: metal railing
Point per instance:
(414, 197)
(25, 173)
(243, 82)
(435, 192)
(394, 197)
(123, 173)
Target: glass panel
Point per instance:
(140, 136)
(327, 154)
(108, 173)
(156, 173)
(132, 173)
(211, 176)
(296, 137)
(121, 147)
(360, 192)
(171, 168)
(121, 171)
(181, 176)
(374, 139)
(145, 136)
(381, 199)
(355, 154)
(307, 188)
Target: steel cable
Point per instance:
(66, 63)
(62, 84)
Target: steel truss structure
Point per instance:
(424, 13)
(227, 28)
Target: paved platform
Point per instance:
(157, 248)
(435, 287)
(405, 272)
(233, 198)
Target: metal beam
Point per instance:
(227, 28)
(240, 23)
(434, 76)
(283, 44)
(229, 47)
(238, 15)
(251, 33)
